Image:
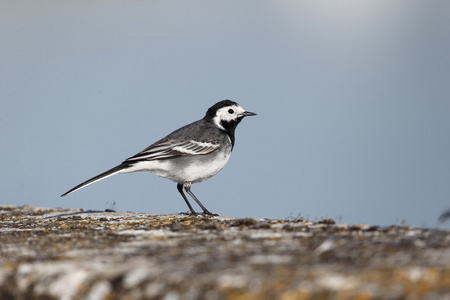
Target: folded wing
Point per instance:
(167, 148)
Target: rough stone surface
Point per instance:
(76, 254)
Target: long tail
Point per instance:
(101, 176)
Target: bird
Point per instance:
(188, 155)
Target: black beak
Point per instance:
(247, 114)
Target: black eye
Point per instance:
(230, 111)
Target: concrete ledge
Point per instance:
(76, 254)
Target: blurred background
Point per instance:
(353, 103)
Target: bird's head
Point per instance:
(227, 114)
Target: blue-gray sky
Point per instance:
(353, 103)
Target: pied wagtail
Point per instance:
(190, 154)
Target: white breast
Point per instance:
(204, 169)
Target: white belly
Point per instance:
(185, 169)
(203, 170)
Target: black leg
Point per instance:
(180, 189)
(187, 187)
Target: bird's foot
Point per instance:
(188, 213)
(208, 213)
(193, 214)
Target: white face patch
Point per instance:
(228, 113)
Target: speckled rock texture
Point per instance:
(76, 254)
